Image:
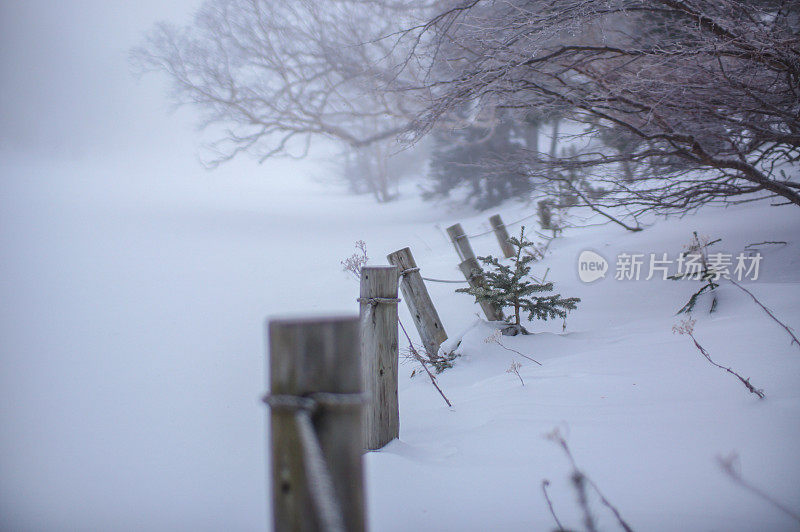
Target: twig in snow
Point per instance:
(495, 337)
(687, 327)
(421, 360)
(769, 313)
(729, 465)
(514, 368)
(546, 483)
(769, 242)
(579, 479)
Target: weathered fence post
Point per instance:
(460, 241)
(379, 347)
(315, 419)
(501, 233)
(474, 274)
(424, 314)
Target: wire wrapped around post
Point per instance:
(315, 404)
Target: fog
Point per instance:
(132, 289)
(66, 87)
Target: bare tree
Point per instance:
(699, 98)
(270, 76)
(682, 102)
(379, 167)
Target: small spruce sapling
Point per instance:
(511, 287)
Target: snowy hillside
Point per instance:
(133, 361)
(644, 414)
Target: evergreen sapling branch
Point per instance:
(511, 286)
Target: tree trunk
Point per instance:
(532, 136)
(554, 139)
(628, 171)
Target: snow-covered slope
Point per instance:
(644, 414)
(132, 303)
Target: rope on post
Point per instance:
(321, 488)
(378, 300)
(409, 270)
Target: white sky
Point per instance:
(66, 88)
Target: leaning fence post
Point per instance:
(460, 241)
(430, 328)
(474, 274)
(501, 233)
(315, 419)
(379, 347)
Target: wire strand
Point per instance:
(320, 483)
(540, 235)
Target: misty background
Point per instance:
(67, 89)
(132, 290)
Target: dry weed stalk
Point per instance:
(495, 338)
(357, 260)
(730, 465)
(580, 481)
(769, 313)
(416, 355)
(514, 368)
(686, 327)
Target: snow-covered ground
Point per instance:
(644, 414)
(132, 300)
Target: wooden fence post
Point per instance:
(460, 241)
(307, 357)
(501, 233)
(474, 274)
(430, 328)
(379, 347)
